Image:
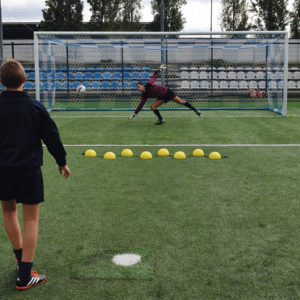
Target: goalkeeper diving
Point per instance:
(162, 93)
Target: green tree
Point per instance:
(173, 18)
(105, 14)
(270, 14)
(234, 15)
(62, 15)
(295, 20)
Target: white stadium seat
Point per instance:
(222, 75)
(262, 84)
(253, 84)
(204, 84)
(203, 75)
(234, 84)
(298, 84)
(185, 84)
(250, 75)
(243, 84)
(292, 84)
(272, 84)
(194, 75)
(260, 75)
(215, 84)
(280, 84)
(241, 75)
(296, 75)
(231, 75)
(195, 84)
(223, 84)
(184, 75)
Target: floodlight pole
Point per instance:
(1, 35)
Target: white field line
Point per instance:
(182, 145)
(113, 116)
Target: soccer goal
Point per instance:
(213, 70)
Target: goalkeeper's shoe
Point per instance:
(159, 122)
(34, 279)
(18, 268)
(198, 113)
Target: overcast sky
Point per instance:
(195, 12)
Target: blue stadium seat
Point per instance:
(31, 76)
(105, 85)
(86, 84)
(64, 85)
(109, 69)
(47, 85)
(27, 86)
(88, 75)
(133, 85)
(126, 75)
(146, 68)
(57, 85)
(79, 75)
(95, 85)
(60, 75)
(135, 75)
(127, 68)
(114, 85)
(71, 76)
(116, 76)
(144, 75)
(75, 84)
(99, 69)
(136, 69)
(106, 75)
(118, 69)
(126, 85)
(90, 69)
(97, 75)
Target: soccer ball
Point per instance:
(80, 89)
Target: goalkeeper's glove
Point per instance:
(162, 67)
(131, 116)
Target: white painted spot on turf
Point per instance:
(126, 259)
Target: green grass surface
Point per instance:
(226, 229)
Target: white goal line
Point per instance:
(169, 116)
(182, 145)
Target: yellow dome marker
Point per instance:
(163, 152)
(215, 155)
(179, 155)
(146, 155)
(90, 153)
(126, 152)
(198, 152)
(109, 155)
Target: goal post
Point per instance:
(213, 70)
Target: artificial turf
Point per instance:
(224, 229)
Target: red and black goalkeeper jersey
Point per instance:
(152, 91)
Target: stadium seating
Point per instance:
(27, 86)
(95, 85)
(88, 75)
(135, 75)
(106, 75)
(105, 85)
(195, 84)
(116, 76)
(114, 85)
(97, 75)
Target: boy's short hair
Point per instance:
(12, 73)
(138, 83)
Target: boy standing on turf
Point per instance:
(24, 122)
